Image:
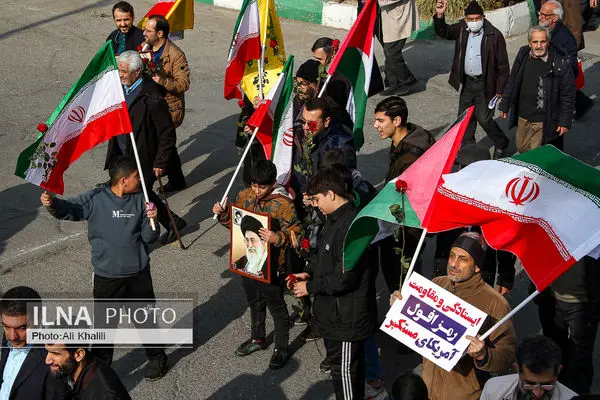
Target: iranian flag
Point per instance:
(274, 119)
(355, 60)
(412, 192)
(245, 46)
(92, 112)
(542, 205)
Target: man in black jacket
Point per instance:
(344, 299)
(480, 66)
(550, 16)
(153, 130)
(540, 92)
(88, 378)
(23, 373)
(127, 36)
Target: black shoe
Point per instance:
(308, 335)
(156, 368)
(170, 236)
(250, 346)
(278, 359)
(499, 153)
(324, 366)
(172, 187)
(581, 111)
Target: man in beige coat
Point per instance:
(399, 19)
(497, 352)
(173, 74)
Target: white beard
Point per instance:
(255, 260)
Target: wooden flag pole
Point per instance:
(139, 165)
(244, 154)
(414, 260)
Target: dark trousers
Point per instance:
(347, 362)
(174, 171)
(572, 327)
(472, 94)
(134, 287)
(396, 71)
(261, 296)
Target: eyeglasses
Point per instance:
(148, 30)
(545, 15)
(546, 387)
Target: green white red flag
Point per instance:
(274, 119)
(245, 46)
(376, 221)
(92, 112)
(542, 205)
(355, 60)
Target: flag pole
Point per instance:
(324, 86)
(509, 315)
(137, 161)
(244, 154)
(261, 64)
(414, 259)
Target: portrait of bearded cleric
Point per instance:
(249, 253)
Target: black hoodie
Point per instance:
(344, 300)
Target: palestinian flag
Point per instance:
(376, 221)
(543, 206)
(354, 60)
(245, 47)
(179, 13)
(274, 119)
(92, 112)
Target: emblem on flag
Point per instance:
(522, 190)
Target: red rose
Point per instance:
(292, 278)
(152, 65)
(305, 244)
(145, 60)
(241, 103)
(42, 127)
(139, 48)
(335, 44)
(313, 126)
(401, 185)
(273, 43)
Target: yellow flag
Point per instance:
(271, 39)
(179, 13)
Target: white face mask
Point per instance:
(475, 26)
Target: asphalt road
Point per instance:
(46, 45)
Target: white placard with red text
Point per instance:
(433, 322)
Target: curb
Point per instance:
(511, 21)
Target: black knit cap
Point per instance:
(249, 223)
(474, 8)
(471, 246)
(309, 71)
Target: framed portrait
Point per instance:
(250, 255)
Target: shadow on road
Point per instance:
(15, 31)
(18, 208)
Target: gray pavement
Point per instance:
(46, 46)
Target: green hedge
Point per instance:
(455, 8)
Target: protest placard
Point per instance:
(433, 322)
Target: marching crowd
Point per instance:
(310, 218)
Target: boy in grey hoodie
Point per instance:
(119, 232)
